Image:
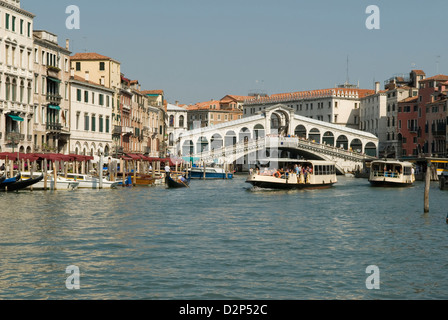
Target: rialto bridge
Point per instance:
(278, 132)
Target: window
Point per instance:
(101, 102)
(101, 124)
(21, 26)
(29, 29)
(86, 96)
(7, 21)
(78, 114)
(93, 122)
(107, 124)
(86, 122)
(102, 66)
(78, 95)
(78, 66)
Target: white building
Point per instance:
(16, 77)
(378, 112)
(90, 117)
(337, 105)
(177, 123)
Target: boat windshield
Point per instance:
(392, 170)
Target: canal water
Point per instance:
(225, 240)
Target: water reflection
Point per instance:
(220, 239)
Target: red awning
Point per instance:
(134, 156)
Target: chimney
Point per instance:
(87, 76)
(377, 87)
(177, 103)
(67, 44)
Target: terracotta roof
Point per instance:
(81, 79)
(236, 97)
(419, 72)
(440, 77)
(160, 92)
(408, 100)
(205, 105)
(89, 56)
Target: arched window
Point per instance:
(14, 90)
(8, 89)
(181, 121)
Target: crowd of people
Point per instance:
(298, 169)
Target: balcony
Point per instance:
(54, 127)
(128, 131)
(14, 137)
(54, 98)
(116, 130)
(53, 71)
(438, 130)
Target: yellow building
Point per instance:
(106, 72)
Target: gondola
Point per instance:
(171, 183)
(7, 182)
(2, 178)
(21, 184)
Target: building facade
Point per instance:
(106, 72)
(51, 94)
(337, 105)
(177, 124)
(16, 77)
(90, 117)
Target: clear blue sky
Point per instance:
(196, 50)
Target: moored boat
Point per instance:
(90, 182)
(20, 184)
(391, 173)
(61, 183)
(210, 172)
(7, 182)
(294, 174)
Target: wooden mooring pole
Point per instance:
(427, 186)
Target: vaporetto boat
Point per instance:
(294, 174)
(391, 173)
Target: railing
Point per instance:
(282, 142)
(116, 130)
(54, 127)
(386, 174)
(14, 136)
(54, 98)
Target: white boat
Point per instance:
(313, 174)
(61, 183)
(391, 173)
(87, 181)
(211, 172)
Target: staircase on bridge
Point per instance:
(346, 160)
